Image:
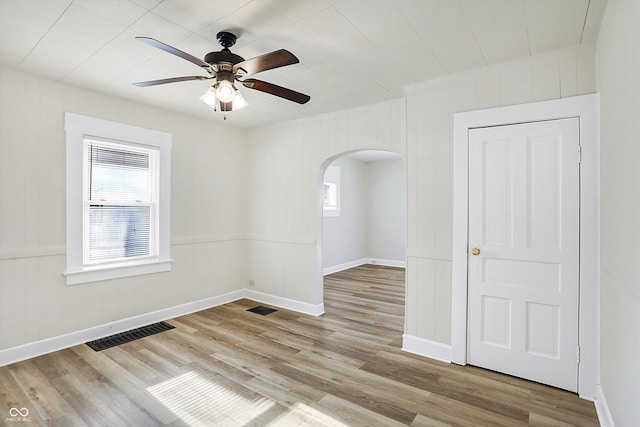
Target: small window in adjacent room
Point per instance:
(331, 192)
(118, 183)
(330, 195)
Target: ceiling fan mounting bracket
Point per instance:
(226, 39)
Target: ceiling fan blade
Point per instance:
(276, 90)
(172, 50)
(268, 61)
(170, 80)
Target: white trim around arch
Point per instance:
(586, 109)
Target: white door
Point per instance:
(524, 199)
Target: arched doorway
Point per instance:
(362, 212)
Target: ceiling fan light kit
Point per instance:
(227, 68)
(224, 97)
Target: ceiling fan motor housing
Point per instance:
(225, 60)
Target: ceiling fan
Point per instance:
(227, 68)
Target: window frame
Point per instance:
(79, 127)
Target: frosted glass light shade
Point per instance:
(225, 91)
(209, 97)
(212, 98)
(239, 101)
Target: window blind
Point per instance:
(118, 203)
(117, 232)
(118, 175)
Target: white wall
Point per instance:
(387, 210)
(286, 163)
(208, 213)
(373, 217)
(619, 86)
(345, 236)
(286, 159)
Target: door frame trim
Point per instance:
(586, 109)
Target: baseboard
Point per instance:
(345, 266)
(387, 262)
(604, 415)
(48, 345)
(363, 261)
(286, 303)
(426, 348)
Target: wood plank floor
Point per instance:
(229, 367)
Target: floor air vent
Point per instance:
(262, 310)
(128, 336)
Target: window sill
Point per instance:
(331, 212)
(95, 274)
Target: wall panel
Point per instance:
(345, 236)
(422, 121)
(304, 147)
(618, 70)
(208, 213)
(430, 109)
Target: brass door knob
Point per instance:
(475, 251)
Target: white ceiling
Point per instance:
(352, 52)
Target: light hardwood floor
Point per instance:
(229, 367)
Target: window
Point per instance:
(330, 196)
(117, 200)
(331, 192)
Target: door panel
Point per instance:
(524, 219)
(496, 321)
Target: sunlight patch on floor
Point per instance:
(199, 401)
(301, 414)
